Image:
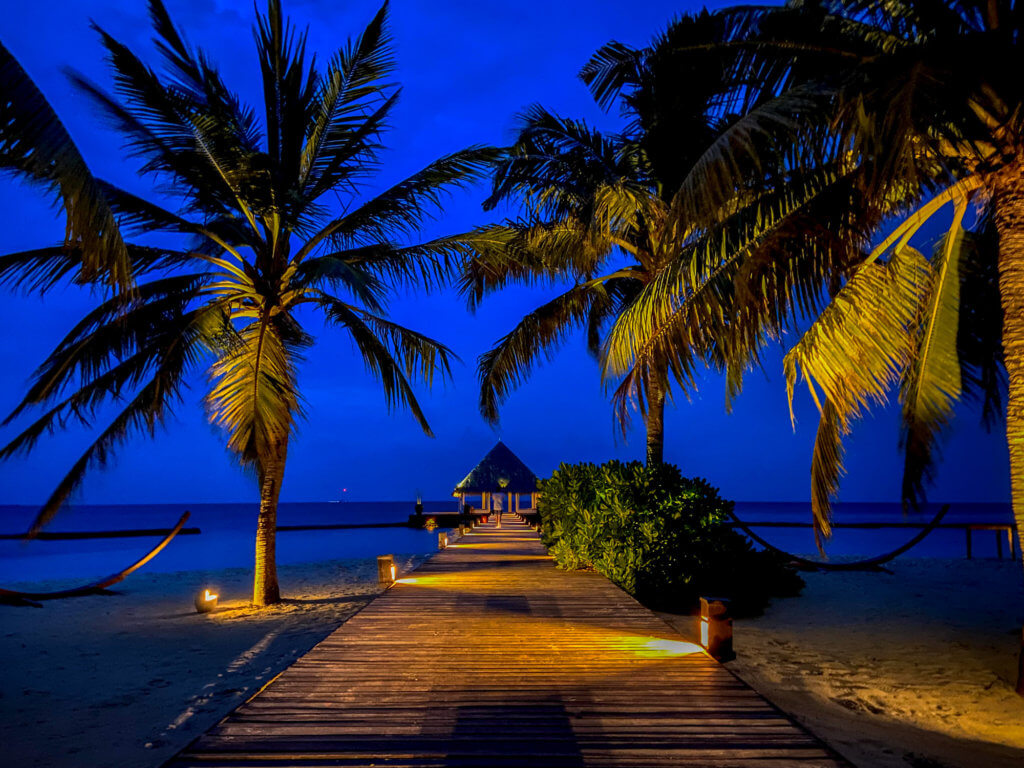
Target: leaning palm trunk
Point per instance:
(1008, 199)
(654, 419)
(265, 589)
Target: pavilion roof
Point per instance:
(499, 471)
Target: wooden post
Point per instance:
(716, 628)
(386, 571)
(999, 544)
(967, 530)
(1009, 540)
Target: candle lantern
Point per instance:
(716, 628)
(206, 601)
(462, 530)
(442, 540)
(386, 571)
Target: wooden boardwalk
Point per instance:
(488, 655)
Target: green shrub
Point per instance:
(658, 535)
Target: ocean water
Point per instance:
(227, 537)
(228, 532)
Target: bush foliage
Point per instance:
(658, 535)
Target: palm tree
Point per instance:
(260, 247)
(913, 101)
(603, 211)
(595, 199)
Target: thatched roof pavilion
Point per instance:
(499, 472)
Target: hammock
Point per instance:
(856, 565)
(11, 595)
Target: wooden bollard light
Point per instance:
(442, 540)
(386, 572)
(206, 602)
(716, 628)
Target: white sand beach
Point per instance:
(914, 667)
(127, 680)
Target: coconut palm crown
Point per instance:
(916, 101)
(601, 211)
(699, 202)
(264, 247)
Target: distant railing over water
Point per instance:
(1010, 529)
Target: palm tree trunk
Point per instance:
(654, 418)
(1008, 200)
(265, 589)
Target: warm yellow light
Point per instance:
(393, 573)
(407, 580)
(704, 632)
(654, 647)
(671, 647)
(205, 602)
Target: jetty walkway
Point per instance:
(487, 655)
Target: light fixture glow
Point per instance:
(206, 601)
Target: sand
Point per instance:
(914, 667)
(129, 679)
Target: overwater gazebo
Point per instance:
(499, 472)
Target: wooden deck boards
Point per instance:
(489, 656)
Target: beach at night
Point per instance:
(512, 384)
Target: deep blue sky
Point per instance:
(467, 68)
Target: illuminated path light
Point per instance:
(489, 655)
(206, 601)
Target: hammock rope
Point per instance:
(855, 565)
(97, 586)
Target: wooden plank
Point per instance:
(487, 655)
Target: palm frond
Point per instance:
(169, 360)
(404, 208)
(538, 334)
(859, 346)
(393, 354)
(931, 384)
(340, 142)
(556, 164)
(36, 146)
(530, 253)
(113, 332)
(253, 395)
(826, 469)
